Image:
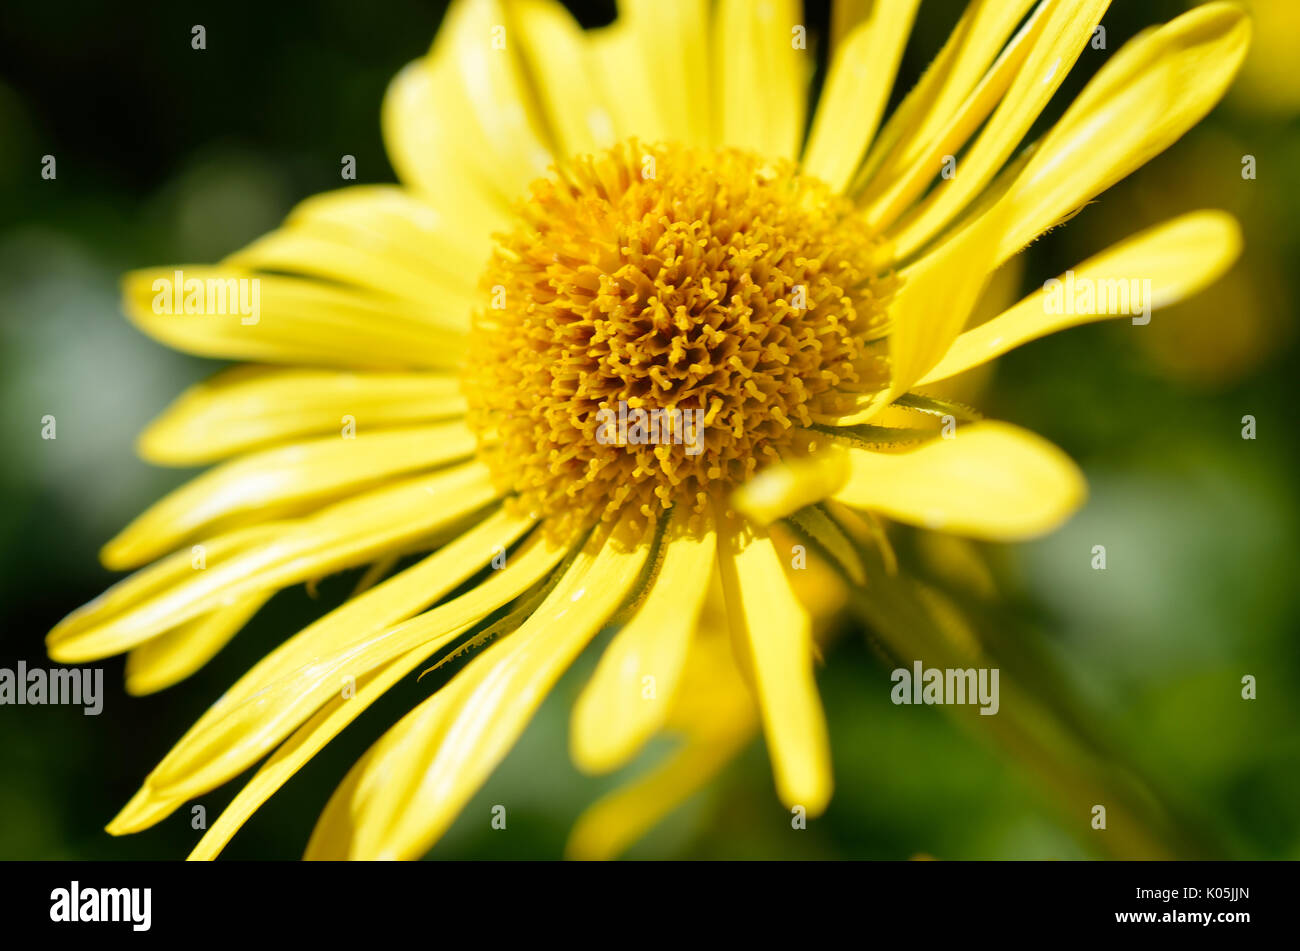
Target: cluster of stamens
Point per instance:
(651, 289)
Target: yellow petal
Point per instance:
(373, 266)
(289, 685)
(411, 786)
(248, 406)
(672, 52)
(968, 53)
(402, 224)
(340, 536)
(295, 752)
(716, 717)
(633, 101)
(396, 599)
(937, 295)
(170, 658)
(488, 94)
(991, 481)
(614, 715)
(426, 132)
(1066, 31)
(617, 820)
(900, 183)
(788, 486)
(774, 632)
(861, 75)
(761, 78)
(1178, 257)
(161, 575)
(306, 742)
(559, 61)
(287, 320)
(286, 480)
(1146, 96)
(337, 824)
(462, 119)
(246, 731)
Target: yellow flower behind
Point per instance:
(628, 218)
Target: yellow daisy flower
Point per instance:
(621, 326)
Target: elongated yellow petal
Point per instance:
(396, 599)
(992, 481)
(857, 88)
(966, 55)
(898, 185)
(331, 256)
(336, 827)
(170, 658)
(937, 295)
(460, 123)
(295, 752)
(249, 729)
(559, 61)
(616, 821)
(1066, 31)
(427, 129)
(788, 486)
(248, 406)
(400, 224)
(233, 313)
(1146, 96)
(342, 535)
(163, 574)
(760, 78)
(713, 713)
(488, 94)
(1178, 257)
(633, 101)
(673, 53)
(628, 698)
(421, 773)
(289, 685)
(774, 631)
(286, 480)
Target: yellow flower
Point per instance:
(450, 366)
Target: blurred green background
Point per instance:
(170, 155)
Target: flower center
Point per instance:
(661, 324)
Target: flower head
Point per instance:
(682, 281)
(620, 330)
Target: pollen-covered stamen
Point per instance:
(651, 289)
